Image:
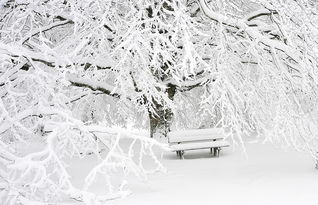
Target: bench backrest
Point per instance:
(195, 135)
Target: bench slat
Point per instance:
(199, 145)
(195, 138)
(195, 135)
(196, 132)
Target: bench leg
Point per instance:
(211, 150)
(181, 154)
(218, 151)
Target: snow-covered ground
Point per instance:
(267, 176)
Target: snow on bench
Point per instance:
(212, 138)
(198, 145)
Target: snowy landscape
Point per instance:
(268, 176)
(158, 102)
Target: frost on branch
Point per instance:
(40, 136)
(263, 61)
(42, 177)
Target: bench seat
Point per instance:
(199, 145)
(195, 135)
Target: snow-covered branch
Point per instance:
(241, 25)
(259, 13)
(46, 28)
(93, 85)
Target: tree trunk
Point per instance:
(160, 122)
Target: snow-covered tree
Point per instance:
(71, 69)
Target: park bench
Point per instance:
(184, 140)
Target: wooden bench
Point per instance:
(212, 138)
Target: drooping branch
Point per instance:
(8, 122)
(254, 33)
